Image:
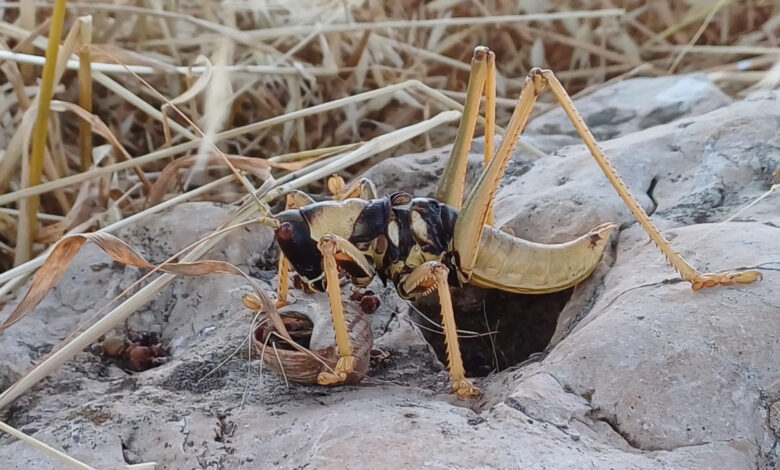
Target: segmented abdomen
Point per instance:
(516, 265)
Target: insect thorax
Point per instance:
(418, 231)
(395, 234)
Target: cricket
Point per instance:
(426, 245)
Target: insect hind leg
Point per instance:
(453, 180)
(478, 206)
(689, 273)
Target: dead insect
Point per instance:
(424, 245)
(137, 352)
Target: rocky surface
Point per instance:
(643, 372)
(627, 107)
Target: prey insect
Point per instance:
(426, 245)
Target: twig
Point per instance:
(302, 30)
(710, 49)
(29, 224)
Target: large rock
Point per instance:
(630, 106)
(643, 372)
(688, 171)
(667, 367)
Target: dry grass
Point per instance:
(147, 76)
(155, 102)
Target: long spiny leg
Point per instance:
(424, 278)
(338, 251)
(295, 200)
(490, 119)
(450, 190)
(468, 227)
(688, 272)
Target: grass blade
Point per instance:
(85, 91)
(25, 241)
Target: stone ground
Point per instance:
(641, 372)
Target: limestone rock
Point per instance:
(633, 105)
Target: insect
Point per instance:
(426, 245)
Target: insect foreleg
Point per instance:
(338, 252)
(364, 188)
(490, 119)
(432, 275)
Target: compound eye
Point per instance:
(285, 232)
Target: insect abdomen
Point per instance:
(516, 265)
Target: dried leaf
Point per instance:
(255, 166)
(98, 125)
(100, 128)
(197, 88)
